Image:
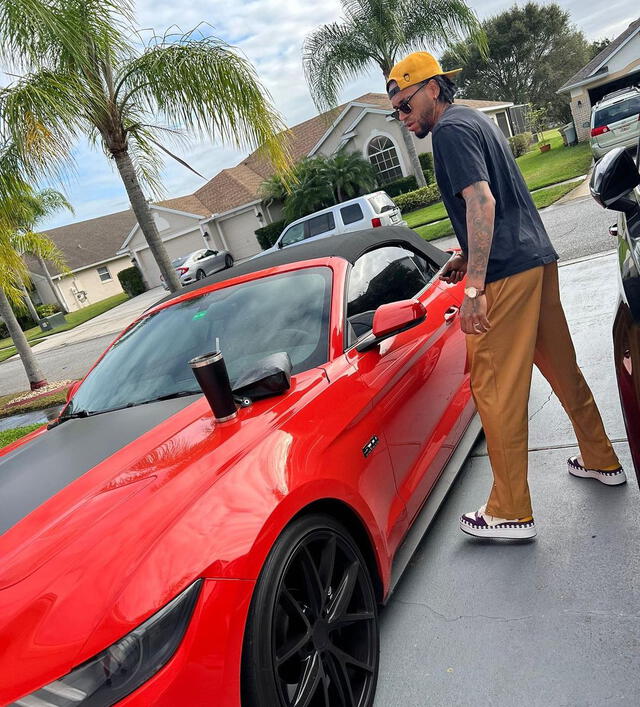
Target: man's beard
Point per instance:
(423, 132)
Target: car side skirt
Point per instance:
(435, 499)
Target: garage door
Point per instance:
(175, 247)
(239, 233)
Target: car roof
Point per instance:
(349, 246)
(339, 205)
(617, 96)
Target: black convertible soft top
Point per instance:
(349, 246)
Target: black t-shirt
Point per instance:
(468, 147)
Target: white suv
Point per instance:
(615, 121)
(368, 211)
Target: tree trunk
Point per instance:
(27, 300)
(145, 218)
(413, 156)
(31, 367)
(52, 285)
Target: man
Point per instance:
(511, 312)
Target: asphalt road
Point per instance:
(577, 228)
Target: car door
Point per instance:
(320, 226)
(212, 261)
(418, 379)
(352, 217)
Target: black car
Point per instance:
(614, 185)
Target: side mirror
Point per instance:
(71, 391)
(391, 319)
(270, 376)
(613, 180)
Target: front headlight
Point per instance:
(125, 665)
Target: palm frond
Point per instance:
(199, 83)
(42, 114)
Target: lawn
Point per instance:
(73, 320)
(8, 436)
(542, 199)
(540, 169)
(428, 214)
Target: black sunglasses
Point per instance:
(405, 106)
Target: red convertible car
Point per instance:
(159, 549)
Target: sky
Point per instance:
(269, 33)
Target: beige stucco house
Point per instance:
(227, 210)
(615, 67)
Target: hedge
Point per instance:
(426, 161)
(400, 186)
(131, 281)
(268, 235)
(419, 198)
(519, 143)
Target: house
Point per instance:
(225, 213)
(616, 66)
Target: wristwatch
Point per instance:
(473, 292)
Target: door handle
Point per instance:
(451, 314)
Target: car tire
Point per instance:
(200, 275)
(228, 261)
(312, 634)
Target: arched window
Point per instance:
(384, 158)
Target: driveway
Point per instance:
(550, 623)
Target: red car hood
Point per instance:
(88, 501)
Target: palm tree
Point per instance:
(380, 32)
(318, 182)
(127, 100)
(17, 238)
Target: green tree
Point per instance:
(19, 213)
(319, 182)
(532, 50)
(380, 33)
(127, 99)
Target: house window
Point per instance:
(384, 158)
(104, 273)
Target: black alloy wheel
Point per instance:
(312, 637)
(228, 261)
(200, 275)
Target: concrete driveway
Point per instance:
(550, 623)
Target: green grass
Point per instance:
(8, 436)
(435, 230)
(541, 169)
(73, 320)
(428, 214)
(46, 401)
(546, 197)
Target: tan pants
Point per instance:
(528, 326)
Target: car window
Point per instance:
(293, 235)
(381, 276)
(209, 253)
(617, 111)
(178, 261)
(321, 224)
(351, 214)
(287, 312)
(381, 202)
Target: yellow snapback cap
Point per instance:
(415, 68)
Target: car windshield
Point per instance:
(287, 312)
(178, 261)
(617, 111)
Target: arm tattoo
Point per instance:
(480, 217)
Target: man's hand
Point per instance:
(455, 270)
(473, 315)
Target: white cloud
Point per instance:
(270, 33)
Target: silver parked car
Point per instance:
(615, 121)
(200, 263)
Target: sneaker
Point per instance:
(610, 478)
(482, 525)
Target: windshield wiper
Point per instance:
(169, 396)
(70, 416)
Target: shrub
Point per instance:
(268, 235)
(519, 144)
(131, 281)
(46, 310)
(419, 198)
(426, 161)
(400, 186)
